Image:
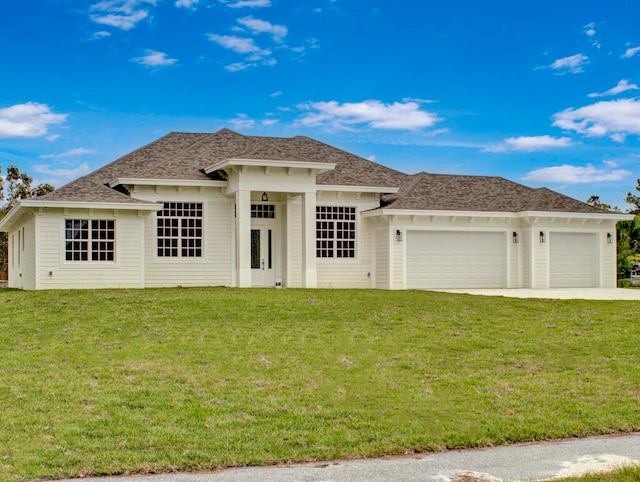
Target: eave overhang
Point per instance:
(535, 215)
(371, 189)
(18, 210)
(239, 162)
(132, 181)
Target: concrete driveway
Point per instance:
(557, 293)
(523, 462)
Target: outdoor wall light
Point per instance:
(265, 197)
(515, 237)
(542, 237)
(398, 235)
(609, 238)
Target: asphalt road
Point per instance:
(524, 462)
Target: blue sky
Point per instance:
(543, 93)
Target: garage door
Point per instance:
(438, 259)
(573, 260)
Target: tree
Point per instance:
(628, 233)
(634, 200)
(18, 187)
(595, 201)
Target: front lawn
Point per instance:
(108, 382)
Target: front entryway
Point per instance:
(262, 257)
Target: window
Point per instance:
(335, 232)
(265, 211)
(179, 230)
(89, 240)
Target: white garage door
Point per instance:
(573, 260)
(441, 259)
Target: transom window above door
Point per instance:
(264, 211)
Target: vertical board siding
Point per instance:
(525, 246)
(22, 275)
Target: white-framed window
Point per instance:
(263, 211)
(179, 230)
(89, 239)
(335, 232)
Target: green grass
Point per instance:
(623, 474)
(109, 382)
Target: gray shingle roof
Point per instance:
(446, 192)
(184, 156)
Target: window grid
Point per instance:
(264, 211)
(179, 230)
(335, 232)
(89, 240)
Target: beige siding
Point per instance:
(215, 267)
(609, 258)
(351, 272)
(294, 242)
(54, 272)
(22, 258)
(525, 257)
(382, 256)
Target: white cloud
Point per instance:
(248, 3)
(100, 34)
(242, 122)
(590, 31)
(187, 3)
(279, 32)
(630, 52)
(530, 144)
(276, 94)
(238, 44)
(269, 122)
(371, 113)
(622, 86)
(567, 174)
(122, 14)
(57, 176)
(573, 64)
(238, 66)
(615, 118)
(28, 120)
(154, 59)
(80, 151)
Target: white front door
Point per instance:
(263, 256)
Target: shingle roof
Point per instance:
(181, 155)
(444, 192)
(184, 156)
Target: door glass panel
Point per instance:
(269, 248)
(255, 249)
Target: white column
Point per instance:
(309, 270)
(243, 238)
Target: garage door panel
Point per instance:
(573, 261)
(452, 259)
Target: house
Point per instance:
(233, 210)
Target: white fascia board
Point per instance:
(6, 222)
(373, 189)
(421, 212)
(166, 182)
(491, 214)
(612, 216)
(317, 166)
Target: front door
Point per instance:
(262, 257)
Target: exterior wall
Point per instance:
(382, 265)
(525, 259)
(349, 272)
(215, 267)
(294, 243)
(22, 256)
(54, 272)
(404, 223)
(536, 258)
